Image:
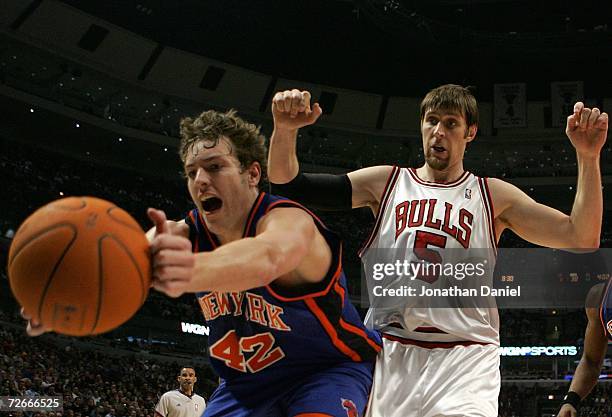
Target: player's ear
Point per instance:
(254, 172)
(471, 132)
(195, 379)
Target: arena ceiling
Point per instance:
(395, 47)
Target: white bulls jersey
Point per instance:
(419, 214)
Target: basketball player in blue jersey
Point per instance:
(441, 361)
(284, 337)
(596, 337)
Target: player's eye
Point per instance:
(190, 174)
(213, 167)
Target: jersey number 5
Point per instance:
(231, 350)
(423, 240)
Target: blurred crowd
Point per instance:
(44, 74)
(91, 383)
(529, 400)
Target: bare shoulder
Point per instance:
(297, 240)
(285, 218)
(368, 184)
(375, 173)
(593, 301)
(501, 188)
(504, 194)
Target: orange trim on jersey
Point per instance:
(196, 246)
(331, 332)
(431, 345)
(247, 227)
(391, 180)
(210, 237)
(312, 415)
(333, 279)
(455, 183)
(352, 328)
(336, 273)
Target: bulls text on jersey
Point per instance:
(420, 213)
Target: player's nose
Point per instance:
(202, 177)
(439, 130)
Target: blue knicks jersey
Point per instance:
(278, 333)
(605, 311)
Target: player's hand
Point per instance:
(172, 260)
(161, 224)
(34, 328)
(587, 129)
(567, 410)
(291, 110)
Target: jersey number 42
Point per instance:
(260, 349)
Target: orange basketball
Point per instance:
(80, 266)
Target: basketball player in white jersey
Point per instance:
(441, 362)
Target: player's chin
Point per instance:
(437, 163)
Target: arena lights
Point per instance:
(538, 351)
(569, 377)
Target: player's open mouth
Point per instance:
(438, 148)
(211, 204)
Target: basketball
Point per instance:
(80, 266)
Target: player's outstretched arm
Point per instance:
(292, 110)
(595, 348)
(587, 130)
(287, 248)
